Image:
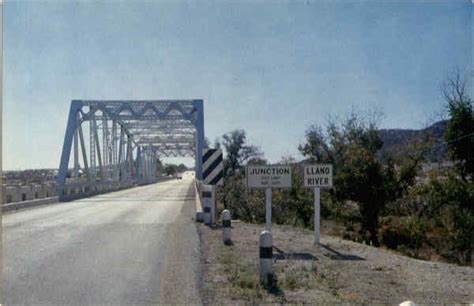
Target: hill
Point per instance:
(400, 142)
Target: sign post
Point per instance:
(317, 209)
(268, 177)
(268, 209)
(317, 177)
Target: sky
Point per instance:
(271, 68)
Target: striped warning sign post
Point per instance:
(212, 167)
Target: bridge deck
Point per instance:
(104, 249)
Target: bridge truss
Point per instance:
(115, 144)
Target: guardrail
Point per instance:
(74, 191)
(29, 203)
(21, 193)
(21, 196)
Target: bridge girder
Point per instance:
(146, 129)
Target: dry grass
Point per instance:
(236, 267)
(341, 271)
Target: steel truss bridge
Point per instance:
(115, 144)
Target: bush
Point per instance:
(245, 205)
(437, 215)
(408, 232)
(412, 232)
(391, 237)
(449, 203)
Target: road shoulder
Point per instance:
(181, 273)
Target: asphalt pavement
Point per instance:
(107, 249)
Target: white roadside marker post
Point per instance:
(226, 226)
(266, 255)
(317, 206)
(268, 209)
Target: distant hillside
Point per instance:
(400, 142)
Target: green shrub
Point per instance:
(391, 238)
(409, 232)
(412, 232)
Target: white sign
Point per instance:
(318, 176)
(268, 176)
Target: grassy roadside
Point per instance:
(340, 271)
(231, 272)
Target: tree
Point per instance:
(361, 179)
(360, 176)
(206, 143)
(450, 199)
(238, 152)
(287, 160)
(243, 204)
(315, 147)
(217, 143)
(159, 166)
(257, 161)
(171, 169)
(459, 133)
(182, 167)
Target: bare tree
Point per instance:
(454, 88)
(459, 134)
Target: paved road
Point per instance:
(107, 249)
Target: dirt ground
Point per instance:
(337, 271)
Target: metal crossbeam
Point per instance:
(126, 138)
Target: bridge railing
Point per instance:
(75, 190)
(199, 209)
(19, 196)
(21, 193)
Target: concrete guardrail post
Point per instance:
(213, 205)
(206, 191)
(4, 194)
(226, 226)
(266, 255)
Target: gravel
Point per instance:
(336, 271)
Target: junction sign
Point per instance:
(278, 176)
(268, 177)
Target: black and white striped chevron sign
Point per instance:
(212, 167)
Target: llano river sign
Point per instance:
(318, 176)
